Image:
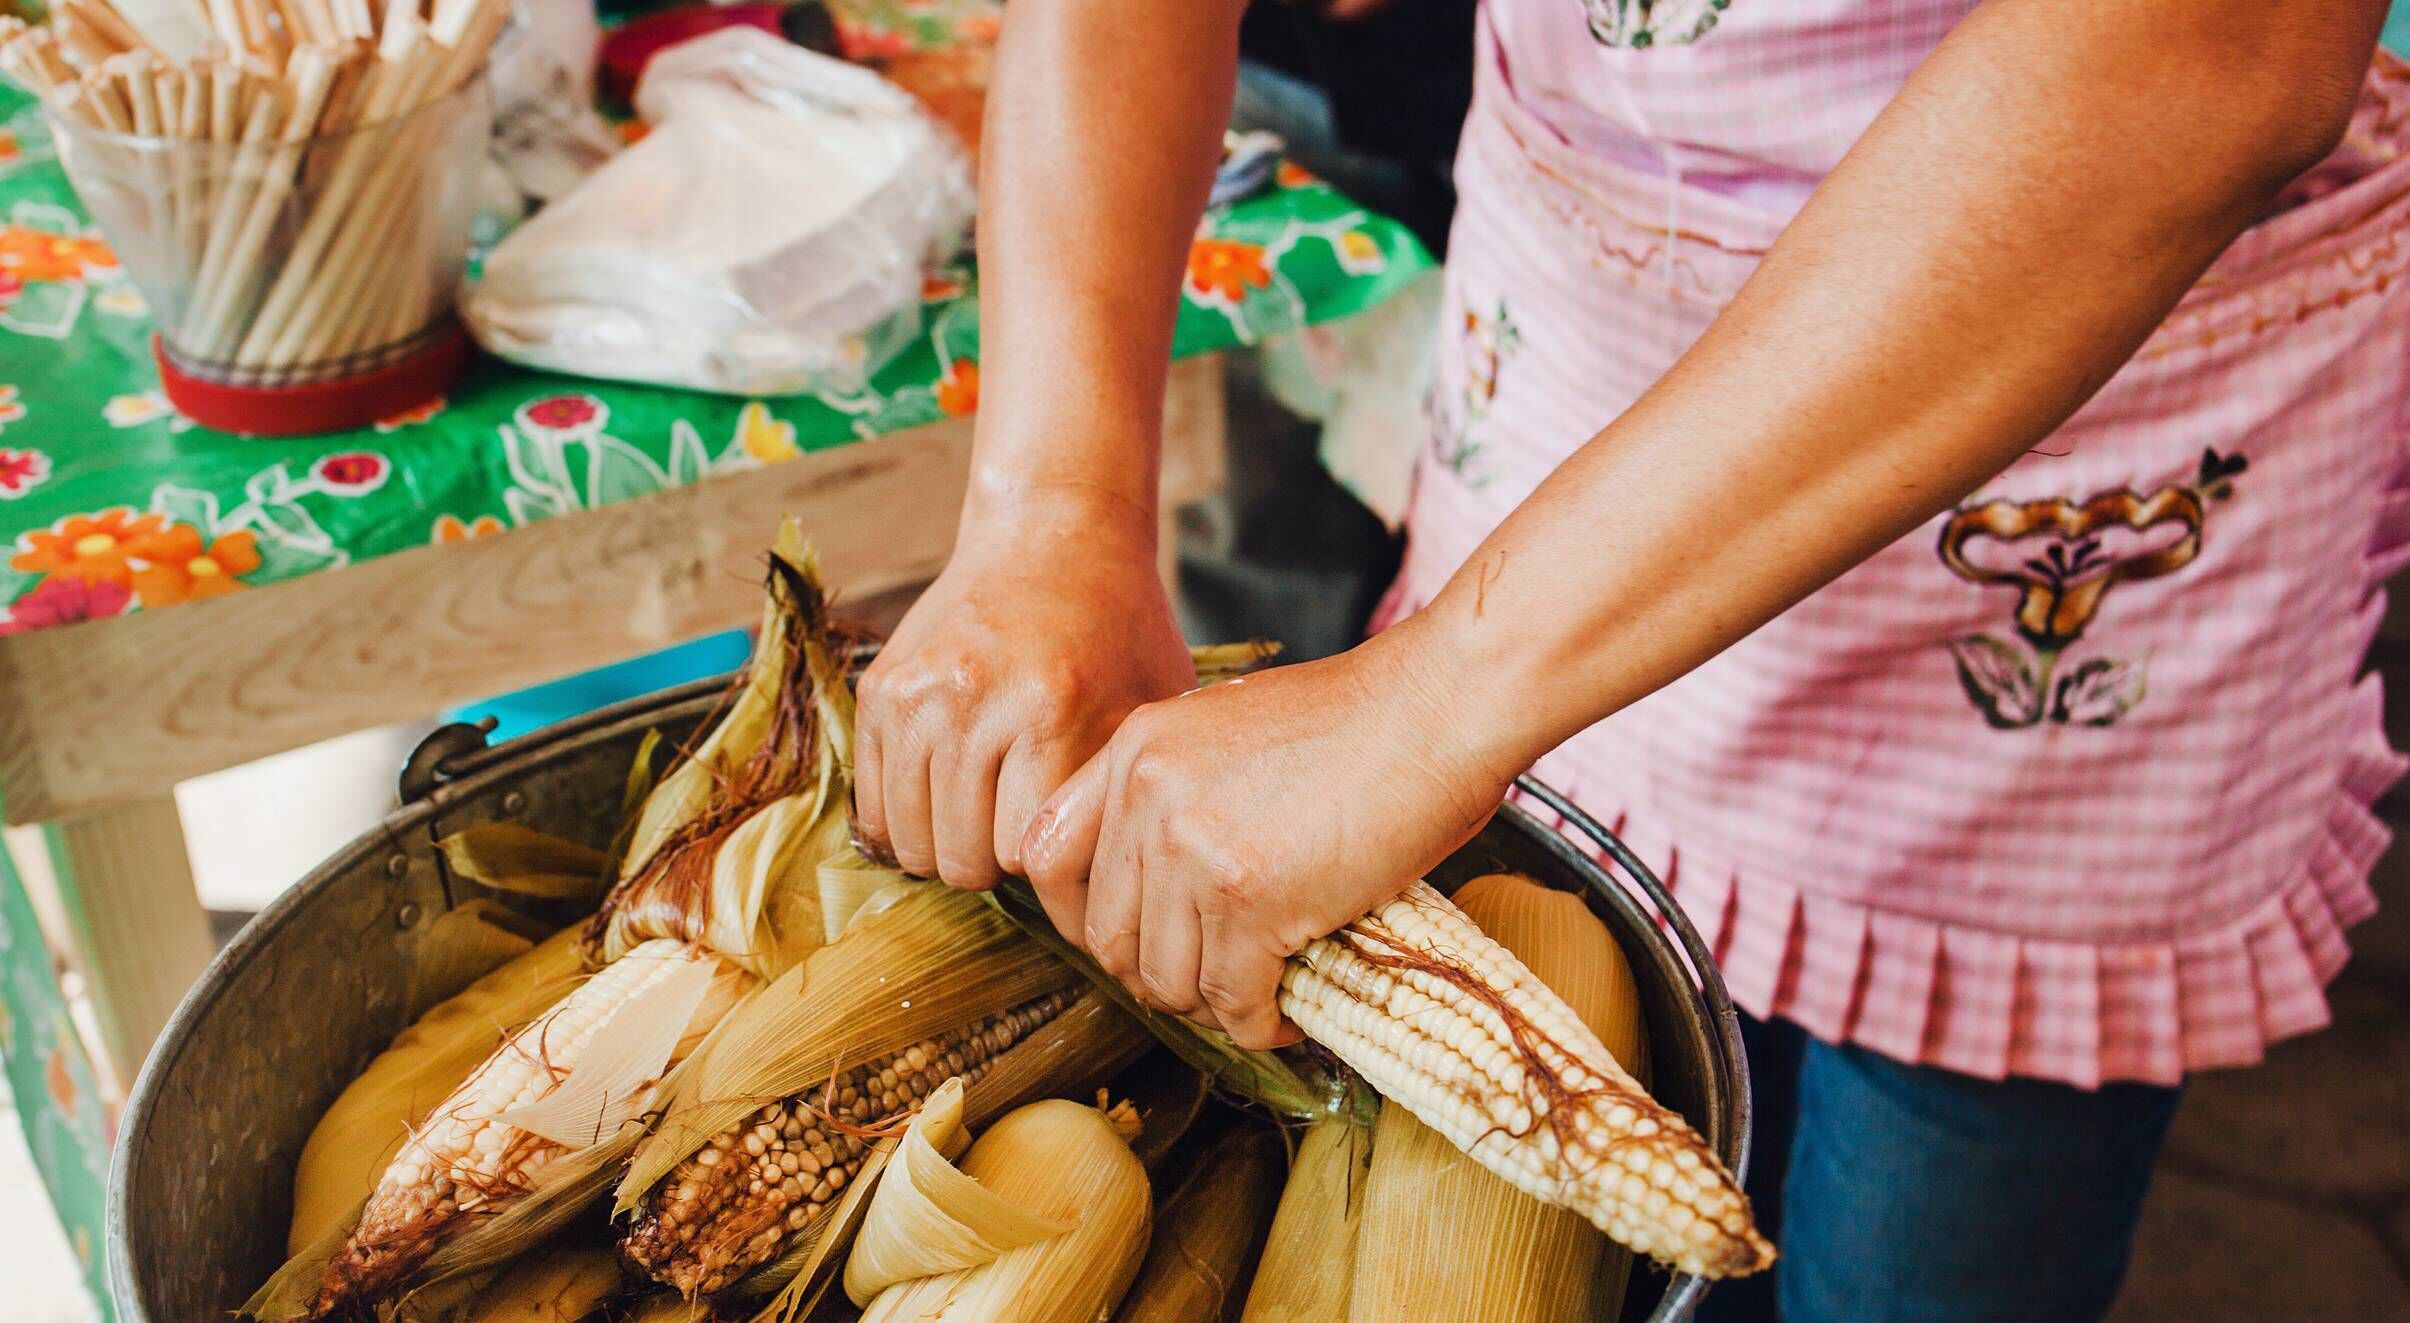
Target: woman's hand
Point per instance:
(1221, 831)
(1047, 627)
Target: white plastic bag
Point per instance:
(767, 237)
(547, 136)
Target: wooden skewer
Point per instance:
(312, 73)
(227, 22)
(343, 314)
(265, 112)
(392, 85)
(108, 99)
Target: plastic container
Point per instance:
(297, 287)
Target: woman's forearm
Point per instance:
(1104, 126)
(2005, 236)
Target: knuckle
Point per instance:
(967, 871)
(1225, 882)
(1217, 991)
(1164, 997)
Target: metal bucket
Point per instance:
(321, 980)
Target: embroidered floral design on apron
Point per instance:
(1488, 342)
(2060, 590)
(1640, 24)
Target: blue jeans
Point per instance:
(1907, 1193)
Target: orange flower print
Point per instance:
(182, 569)
(411, 417)
(958, 390)
(30, 254)
(94, 548)
(1225, 269)
(449, 529)
(10, 148)
(61, 1080)
(1289, 174)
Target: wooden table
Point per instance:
(99, 721)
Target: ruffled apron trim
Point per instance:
(1993, 1004)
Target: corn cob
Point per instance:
(1447, 1023)
(737, 1201)
(466, 1160)
(1444, 1237)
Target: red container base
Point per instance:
(339, 405)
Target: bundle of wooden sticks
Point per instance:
(279, 174)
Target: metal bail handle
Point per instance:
(1711, 983)
(428, 765)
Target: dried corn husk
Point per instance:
(466, 943)
(509, 856)
(365, 1127)
(920, 961)
(669, 1307)
(1057, 1160)
(575, 1075)
(1308, 1262)
(928, 1217)
(1070, 1056)
(1210, 1233)
(1444, 1237)
(847, 882)
(557, 1286)
(1289, 1084)
(726, 849)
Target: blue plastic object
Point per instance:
(530, 709)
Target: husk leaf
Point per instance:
(365, 1126)
(802, 1276)
(611, 1079)
(847, 881)
(289, 1290)
(1070, 1056)
(1058, 1160)
(512, 857)
(464, 944)
(627, 1049)
(1292, 1085)
(1210, 1232)
(1443, 1235)
(932, 959)
(560, 1193)
(1308, 1263)
(561, 1285)
(928, 1217)
(669, 1307)
(726, 849)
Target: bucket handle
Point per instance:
(1719, 1000)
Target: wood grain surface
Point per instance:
(112, 712)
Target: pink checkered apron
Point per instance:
(2073, 782)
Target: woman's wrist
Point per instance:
(1470, 713)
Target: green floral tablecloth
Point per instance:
(110, 502)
